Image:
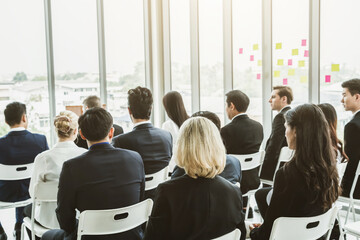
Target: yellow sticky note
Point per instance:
(278, 46)
(255, 46)
(335, 67)
(291, 72)
(280, 62)
(303, 79)
(259, 62)
(276, 73)
(295, 52)
(301, 63)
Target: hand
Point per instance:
(254, 225)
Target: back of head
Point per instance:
(285, 91)
(352, 85)
(209, 115)
(66, 123)
(174, 107)
(140, 102)
(92, 101)
(200, 150)
(95, 124)
(14, 112)
(240, 100)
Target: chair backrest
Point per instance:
(341, 170)
(285, 155)
(153, 180)
(304, 228)
(356, 177)
(234, 235)
(113, 220)
(46, 191)
(16, 172)
(250, 161)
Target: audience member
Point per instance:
(19, 146)
(351, 102)
(91, 102)
(280, 100)
(101, 178)
(242, 136)
(308, 184)
(232, 170)
(200, 204)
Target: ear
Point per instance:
(357, 96)
(130, 113)
(232, 106)
(23, 118)
(283, 99)
(111, 133)
(81, 135)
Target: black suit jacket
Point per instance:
(203, 208)
(102, 178)
(352, 150)
(244, 136)
(19, 147)
(274, 144)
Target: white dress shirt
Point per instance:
(171, 127)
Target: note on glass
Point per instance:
(258, 76)
(280, 62)
(295, 52)
(290, 62)
(303, 79)
(306, 53)
(291, 72)
(276, 73)
(259, 62)
(327, 78)
(285, 81)
(301, 63)
(255, 46)
(251, 57)
(303, 42)
(241, 51)
(335, 67)
(278, 46)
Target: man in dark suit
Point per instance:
(19, 146)
(91, 102)
(280, 100)
(242, 136)
(351, 102)
(102, 178)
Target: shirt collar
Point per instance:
(65, 144)
(240, 114)
(140, 123)
(97, 144)
(17, 129)
(284, 107)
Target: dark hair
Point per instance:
(240, 100)
(140, 102)
(352, 85)
(95, 124)
(314, 157)
(209, 115)
(331, 117)
(92, 101)
(285, 91)
(14, 112)
(174, 107)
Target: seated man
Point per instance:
(101, 178)
(19, 146)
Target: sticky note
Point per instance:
(285, 81)
(258, 76)
(276, 73)
(259, 62)
(291, 72)
(240, 51)
(306, 53)
(251, 57)
(255, 46)
(280, 62)
(327, 78)
(295, 52)
(278, 46)
(303, 79)
(303, 42)
(301, 63)
(335, 67)
(290, 62)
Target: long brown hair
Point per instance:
(174, 107)
(314, 155)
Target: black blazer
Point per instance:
(291, 198)
(352, 150)
(232, 170)
(19, 147)
(101, 178)
(244, 136)
(203, 208)
(274, 144)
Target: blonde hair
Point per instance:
(66, 123)
(200, 150)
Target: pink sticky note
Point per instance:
(327, 78)
(303, 42)
(290, 62)
(258, 76)
(251, 57)
(240, 51)
(285, 81)
(306, 53)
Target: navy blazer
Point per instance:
(102, 178)
(19, 147)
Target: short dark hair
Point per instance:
(240, 100)
(14, 112)
(95, 124)
(352, 85)
(285, 91)
(140, 102)
(209, 115)
(92, 101)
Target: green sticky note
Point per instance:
(255, 46)
(335, 67)
(295, 52)
(303, 79)
(276, 73)
(280, 62)
(291, 72)
(301, 63)
(278, 46)
(259, 62)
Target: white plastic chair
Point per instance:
(12, 173)
(353, 229)
(341, 170)
(153, 180)
(304, 228)
(43, 192)
(234, 235)
(113, 220)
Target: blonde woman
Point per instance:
(200, 204)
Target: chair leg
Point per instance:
(22, 231)
(247, 207)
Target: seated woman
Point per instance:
(48, 165)
(200, 204)
(308, 184)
